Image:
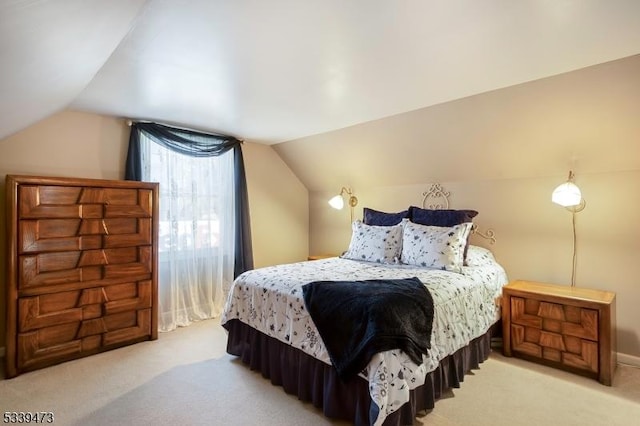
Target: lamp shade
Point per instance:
(567, 195)
(337, 202)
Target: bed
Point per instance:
(271, 330)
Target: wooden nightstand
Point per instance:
(320, 256)
(561, 326)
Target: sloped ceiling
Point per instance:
(273, 71)
(51, 50)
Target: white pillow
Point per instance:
(435, 246)
(479, 256)
(380, 244)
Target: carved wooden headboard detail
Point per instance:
(437, 198)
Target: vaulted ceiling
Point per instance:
(273, 71)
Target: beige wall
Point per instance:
(503, 153)
(279, 205)
(87, 145)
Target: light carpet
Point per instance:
(186, 378)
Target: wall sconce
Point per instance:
(569, 196)
(337, 202)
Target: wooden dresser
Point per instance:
(81, 268)
(565, 327)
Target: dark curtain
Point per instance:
(197, 144)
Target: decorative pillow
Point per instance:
(479, 256)
(380, 244)
(378, 218)
(435, 246)
(440, 217)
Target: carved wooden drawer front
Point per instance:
(565, 327)
(556, 332)
(82, 268)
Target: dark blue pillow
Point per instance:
(377, 218)
(446, 218)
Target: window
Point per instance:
(194, 197)
(196, 231)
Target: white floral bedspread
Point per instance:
(466, 305)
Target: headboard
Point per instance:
(437, 198)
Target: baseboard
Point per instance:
(628, 359)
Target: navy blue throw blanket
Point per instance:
(357, 319)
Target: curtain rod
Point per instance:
(130, 122)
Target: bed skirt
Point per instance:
(316, 382)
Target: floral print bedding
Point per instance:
(466, 305)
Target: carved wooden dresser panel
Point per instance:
(565, 327)
(81, 270)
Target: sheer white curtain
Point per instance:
(196, 235)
